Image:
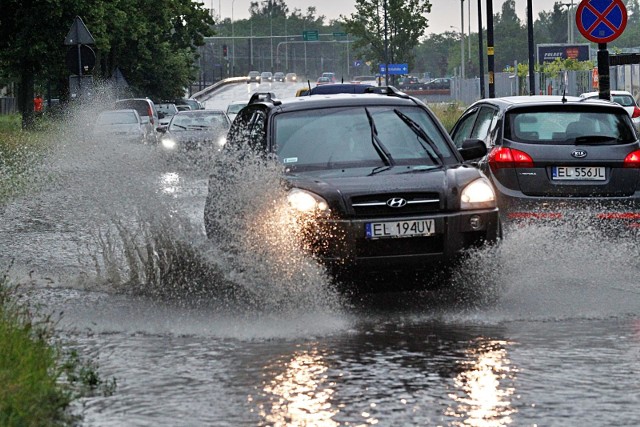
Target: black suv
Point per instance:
(380, 181)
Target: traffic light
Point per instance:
(224, 50)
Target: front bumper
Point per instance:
(343, 243)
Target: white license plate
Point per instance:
(578, 173)
(421, 227)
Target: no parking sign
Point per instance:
(601, 21)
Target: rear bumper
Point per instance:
(594, 211)
(348, 248)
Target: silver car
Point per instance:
(119, 125)
(623, 98)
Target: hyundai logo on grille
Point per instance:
(396, 202)
(579, 154)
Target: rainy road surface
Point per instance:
(548, 334)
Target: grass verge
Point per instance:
(39, 379)
(20, 152)
(447, 113)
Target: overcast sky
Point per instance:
(444, 13)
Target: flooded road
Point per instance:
(548, 333)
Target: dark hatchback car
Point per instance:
(557, 158)
(377, 176)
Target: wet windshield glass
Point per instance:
(197, 122)
(554, 126)
(342, 137)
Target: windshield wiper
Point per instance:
(422, 135)
(377, 144)
(379, 169)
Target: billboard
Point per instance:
(549, 52)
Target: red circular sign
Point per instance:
(601, 21)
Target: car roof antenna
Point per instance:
(564, 95)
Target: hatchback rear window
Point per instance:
(569, 126)
(142, 107)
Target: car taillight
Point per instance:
(636, 112)
(150, 114)
(502, 157)
(632, 160)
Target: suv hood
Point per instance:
(338, 187)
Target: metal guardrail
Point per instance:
(204, 93)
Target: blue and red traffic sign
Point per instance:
(601, 21)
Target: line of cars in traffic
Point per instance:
(377, 184)
(269, 77)
(177, 126)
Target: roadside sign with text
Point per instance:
(310, 35)
(601, 21)
(396, 69)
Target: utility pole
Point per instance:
(386, 47)
(532, 70)
(490, 50)
(480, 49)
(461, 39)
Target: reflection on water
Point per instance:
(482, 397)
(301, 395)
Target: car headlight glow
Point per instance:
(478, 194)
(306, 201)
(169, 143)
(221, 141)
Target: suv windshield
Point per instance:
(344, 137)
(568, 126)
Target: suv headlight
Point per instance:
(169, 143)
(479, 194)
(306, 201)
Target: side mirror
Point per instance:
(472, 149)
(161, 129)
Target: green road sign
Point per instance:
(339, 34)
(310, 36)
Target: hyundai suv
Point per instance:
(378, 181)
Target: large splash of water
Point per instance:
(135, 220)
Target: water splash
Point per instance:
(554, 271)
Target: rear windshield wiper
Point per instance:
(377, 144)
(422, 135)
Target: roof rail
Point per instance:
(387, 90)
(264, 97)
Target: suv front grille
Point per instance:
(376, 205)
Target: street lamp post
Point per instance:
(462, 39)
(569, 26)
(271, 26)
(233, 43)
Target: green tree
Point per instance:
(153, 42)
(433, 54)
(510, 37)
(406, 22)
(551, 26)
